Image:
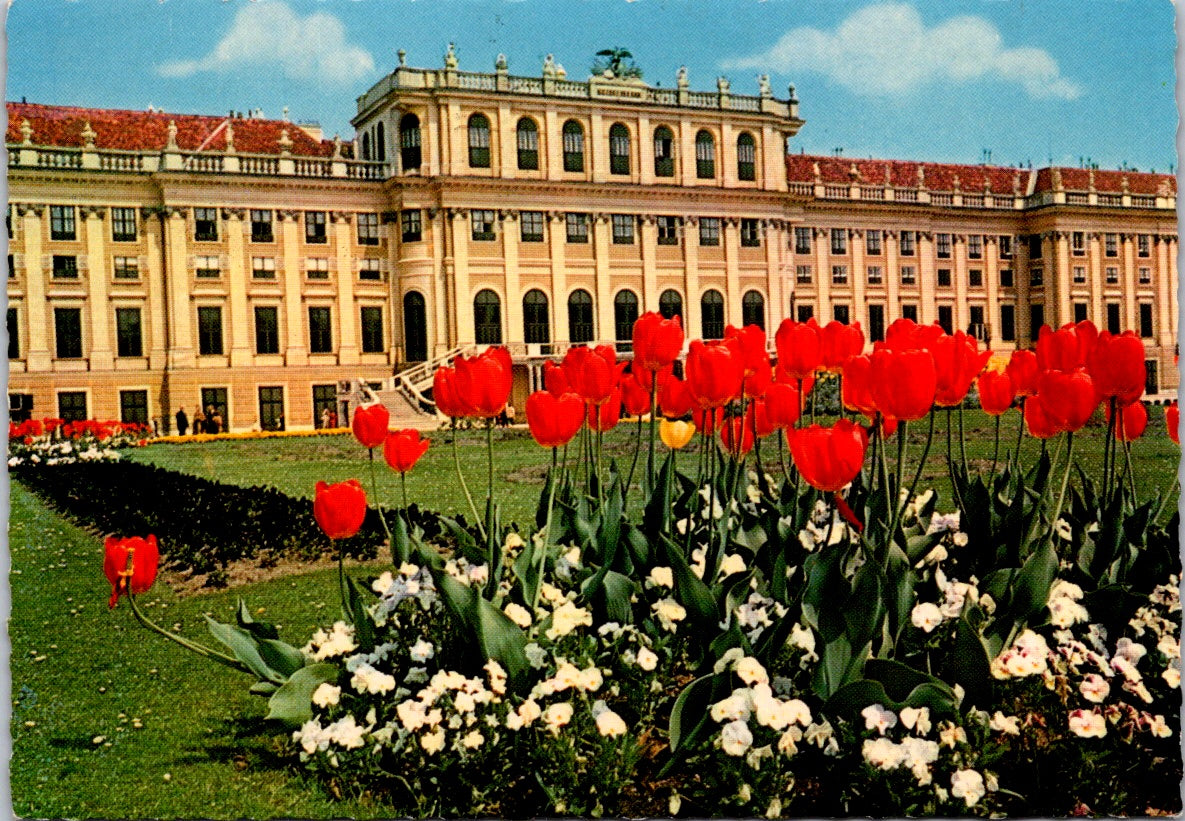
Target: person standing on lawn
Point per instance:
(199, 421)
(182, 422)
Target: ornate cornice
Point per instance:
(97, 211)
(23, 208)
(341, 216)
(234, 213)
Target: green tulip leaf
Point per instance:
(292, 702)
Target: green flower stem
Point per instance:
(926, 453)
(996, 450)
(465, 486)
(1109, 450)
(1131, 474)
(962, 439)
(546, 535)
(200, 649)
(899, 505)
(637, 448)
(403, 486)
(653, 431)
(1065, 480)
(374, 484)
(873, 464)
(489, 462)
(1171, 494)
(597, 466)
(341, 586)
(1020, 430)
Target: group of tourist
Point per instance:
(209, 421)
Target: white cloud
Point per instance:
(887, 49)
(270, 34)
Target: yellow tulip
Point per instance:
(675, 435)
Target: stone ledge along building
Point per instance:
(160, 260)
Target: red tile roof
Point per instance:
(63, 126)
(1108, 182)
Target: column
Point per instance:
(927, 282)
(557, 237)
(645, 171)
(510, 230)
(296, 351)
(181, 353)
(892, 279)
(859, 278)
(686, 153)
(775, 244)
(731, 240)
(505, 137)
(100, 353)
(38, 317)
(1165, 337)
(459, 230)
(347, 311)
(154, 282)
(962, 314)
(1129, 282)
(606, 327)
(991, 280)
(552, 145)
(1024, 329)
(596, 149)
(648, 234)
(240, 323)
(442, 282)
(692, 321)
(1097, 313)
(822, 247)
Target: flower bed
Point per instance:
(54, 442)
(762, 633)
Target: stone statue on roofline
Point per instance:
(549, 66)
(681, 78)
(450, 56)
(26, 132)
(763, 85)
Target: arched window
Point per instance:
(415, 327)
(580, 316)
(712, 315)
(536, 324)
(366, 146)
(573, 146)
(380, 142)
(409, 142)
(479, 141)
(528, 145)
(625, 314)
(619, 149)
(705, 155)
(664, 152)
(487, 318)
(670, 304)
(753, 309)
(746, 157)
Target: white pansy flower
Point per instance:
(566, 618)
(960, 539)
(557, 716)
(421, 651)
(1087, 724)
(926, 616)
(669, 612)
(518, 614)
(472, 740)
(1001, 723)
(1094, 688)
(647, 659)
(610, 724)
(327, 695)
(366, 679)
(967, 785)
(750, 671)
(732, 563)
(916, 718)
(735, 707)
(661, 577)
(433, 742)
(735, 738)
(878, 717)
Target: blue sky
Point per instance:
(939, 80)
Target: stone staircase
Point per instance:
(404, 393)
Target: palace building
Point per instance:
(160, 260)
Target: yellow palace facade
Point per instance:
(159, 261)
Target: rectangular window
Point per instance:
(315, 232)
(205, 224)
(126, 267)
(1151, 381)
(876, 323)
(909, 275)
(1113, 323)
(207, 267)
(317, 268)
(133, 407)
(942, 245)
(1145, 320)
(909, 312)
(805, 312)
(1036, 277)
(946, 314)
(944, 278)
(1005, 246)
(577, 227)
(1036, 320)
(65, 267)
(214, 402)
(1145, 276)
(267, 329)
(1111, 245)
(975, 277)
(802, 240)
(839, 241)
(1005, 277)
(372, 329)
(368, 229)
(841, 313)
(68, 332)
(1112, 275)
(1008, 323)
(128, 332)
(72, 406)
(412, 225)
(872, 242)
(261, 226)
(61, 222)
(210, 330)
(271, 407)
(123, 224)
(839, 274)
(668, 230)
(909, 243)
(14, 335)
(531, 224)
(1143, 245)
(263, 267)
(528, 146)
(875, 275)
(746, 158)
(709, 231)
(482, 222)
(11, 267)
(1078, 243)
(975, 246)
(1035, 247)
(623, 229)
(324, 405)
(977, 327)
(1081, 310)
(803, 274)
(320, 332)
(1079, 274)
(750, 233)
(370, 270)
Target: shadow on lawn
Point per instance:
(248, 743)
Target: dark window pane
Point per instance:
(372, 329)
(133, 407)
(210, 331)
(320, 333)
(580, 316)
(72, 406)
(712, 315)
(267, 331)
(536, 322)
(128, 332)
(68, 332)
(487, 318)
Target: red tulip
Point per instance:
(403, 448)
(1116, 364)
(555, 379)
(593, 373)
(1068, 397)
(857, 385)
(605, 416)
(782, 405)
(1067, 348)
(657, 341)
(370, 424)
(635, 397)
(674, 400)
(995, 392)
(736, 434)
(1172, 421)
(1131, 421)
(1038, 422)
(758, 371)
(714, 372)
(839, 342)
(903, 383)
(444, 394)
(759, 420)
(707, 420)
(888, 426)
(484, 381)
(906, 335)
(828, 458)
(554, 420)
(799, 348)
(957, 361)
(143, 557)
(1022, 370)
(339, 509)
